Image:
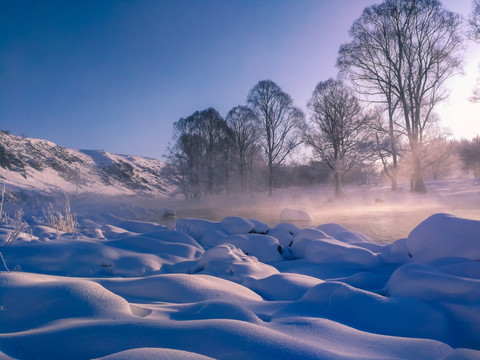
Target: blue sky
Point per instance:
(116, 74)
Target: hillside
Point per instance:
(40, 165)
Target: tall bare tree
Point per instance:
(243, 123)
(339, 131)
(406, 49)
(281, 124)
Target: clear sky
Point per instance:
(116, 74)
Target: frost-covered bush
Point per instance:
(17, 225)
(61, 221)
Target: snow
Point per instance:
(126, 287)
(289, 214)
(44, 167)
(149, 353)
(443, 235)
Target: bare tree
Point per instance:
(474, 21)
(184, 159)
(281, 123)
(405, 49)
(389, 145)
(469, 152)
(243, 123)
(373, 79)
(438, 152)
(199, 155)
(339, 130)
(474, 34)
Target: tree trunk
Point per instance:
(337, 181)
(270, 179)
(394, 181)
(394, 169)
(243, 178)
(416, 181)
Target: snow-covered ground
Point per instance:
(243, 288)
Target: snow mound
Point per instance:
(425, 283)
(214, 309)
(335, 251)
(259, 227)
(227, 262)
(210, 234)
(282, 287)
(170, 251)
(289, 214)
(284, 233)
(263, 247)
(304, 238)
(81, 257)
(445, 236)
(370, 312)
(236, 225)
(30, 300)
(454, 294)
(341, 233)
(154, 353)
(318, 247)
(180, 288)
(139, 226)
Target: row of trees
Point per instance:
(400, 55)
(207, 148)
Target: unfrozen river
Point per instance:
(382, 215)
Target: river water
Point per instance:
(375, 211)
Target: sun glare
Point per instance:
(458, 113)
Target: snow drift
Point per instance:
(237, 289)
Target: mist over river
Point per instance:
(383, 215)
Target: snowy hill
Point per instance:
(34, 164)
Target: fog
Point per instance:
(376, 211)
